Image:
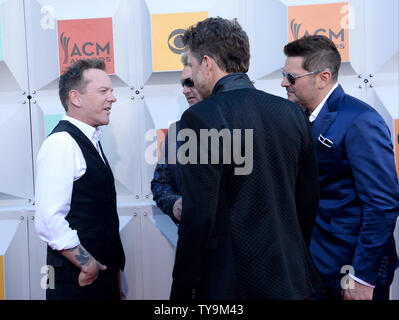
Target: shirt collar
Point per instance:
(93, 134)
(316, 111)
(233, 81)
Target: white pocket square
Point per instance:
(327, 142)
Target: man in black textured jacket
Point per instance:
(247, 219)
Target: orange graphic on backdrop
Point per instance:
(161, 134)
(330, 20)
(167, 31)
(86, 38)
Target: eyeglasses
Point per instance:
(187, 82)
(291, 78)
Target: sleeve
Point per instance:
(371, 157)
(200, 186)
(361, 281)
(163, 186)
(307, 179)
(56, 172)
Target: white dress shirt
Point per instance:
(316, 111)
(312, 118)
(59, 163)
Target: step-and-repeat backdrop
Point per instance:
(140, 41)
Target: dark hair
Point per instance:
(319, 53)
(223, 40)
(72, 78)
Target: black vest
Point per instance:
(93, 212)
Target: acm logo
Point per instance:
(86, 38)
(339, 36)
(332, 20)
(86, 50)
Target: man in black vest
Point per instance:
(76, 211)
(245, 226)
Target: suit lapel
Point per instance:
(321, 126)
(327, 114)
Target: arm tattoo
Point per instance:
(83, 257)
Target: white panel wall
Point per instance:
(16, 182)
(130, 230)
(37, 260)
(382, 59)
(158, 252)
(14, 249)
(123, 131)
(30, 107)
(162, 101)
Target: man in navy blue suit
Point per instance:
(359, 200)
(166, 184)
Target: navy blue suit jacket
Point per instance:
(166, 183)
(359, 199)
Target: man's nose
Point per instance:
(285, 82)
(112, 98)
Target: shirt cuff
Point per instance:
(361, 281)
(69, 241)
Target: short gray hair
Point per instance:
(184, 58)
(73, 79)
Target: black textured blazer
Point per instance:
(247, 236)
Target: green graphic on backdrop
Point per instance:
(1, 42)
(50, 121)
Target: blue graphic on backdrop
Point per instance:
(50, 121)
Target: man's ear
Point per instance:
(208, 63)
(74, 98)
(325, 78)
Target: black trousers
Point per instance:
(66, 286)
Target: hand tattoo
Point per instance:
(83, 257)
